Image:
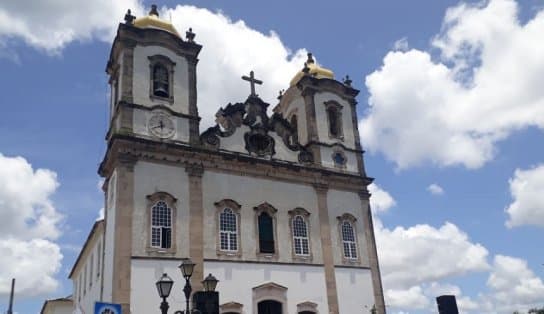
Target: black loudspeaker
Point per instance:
(447, 304)
(206, 302)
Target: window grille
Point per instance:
(348, 240)
(161, 225)
(300, 236)
(228, 230)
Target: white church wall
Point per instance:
(327, 159)
(141, 83)
(144, 273)
(322, 122)
(237, 280)
(141, 119)
(150, 178)
(282, 151)
(109, 243)
(354, 288)
(235, 142)
(339, 203)
(250, 192)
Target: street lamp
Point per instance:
(164, 286)
(187, 266)
(210, 283)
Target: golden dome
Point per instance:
(312, 69)
(153, 21)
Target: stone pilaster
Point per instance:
(355, 122)
(196, 223)
(123, 232)
(127, 71)
(194, 132)
(372, 252)
(311, 124)
(326, 245)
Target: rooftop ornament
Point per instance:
(129, 18)
(252, 81)
(190, 36)
(347, 81)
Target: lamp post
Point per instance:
(187, 266)
(209, 284)
(164, 286)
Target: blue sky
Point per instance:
(451, 97)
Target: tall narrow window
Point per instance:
(161, 225)
(294, 125)
(348, 240)
(334, 116)
(91, 265)
(160, 81)
(300, 236)
(98, 256)
(266, 233)
(228, 230)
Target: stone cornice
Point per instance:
(224, 161)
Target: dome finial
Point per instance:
(153, 10)
(310, 58)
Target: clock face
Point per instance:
(161, 125)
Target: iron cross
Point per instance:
(252, 81)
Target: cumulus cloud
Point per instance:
(435, 189)
(411, 298)
(401, 44)
(514, 286)
(527, 188)
(380, 200)
(29, 224)
(231, 49)
(432, 253)
(453, 111)
(50, 25)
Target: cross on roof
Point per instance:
(252, 81)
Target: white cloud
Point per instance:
(514, 286)
(453, 111)
(29, 223)
(52, 24)
(411, 298)
(380, 200)
(527, 189)
(100, 214)
(230, 50)
(401, 44)
(431, 253)
(435, 189)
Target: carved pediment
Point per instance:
(258, 140)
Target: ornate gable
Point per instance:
(251, 128)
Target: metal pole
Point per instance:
(187, 290)
(164, 306)
(10, 308)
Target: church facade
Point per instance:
(274, 203)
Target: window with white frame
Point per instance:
(300, 236)
(228, 230)
(161, 225)
(348, 240)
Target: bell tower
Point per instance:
(152, 74)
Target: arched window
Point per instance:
(161, 225)
(300, 236)
(228, 230)
(161, 82)
(266, 233)
(334, 117)
(348, 240)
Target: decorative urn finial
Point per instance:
(190, 36)
(154, 10)
(129, 18)
(310, 58)
(347, 81)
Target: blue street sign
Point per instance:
(107, 308)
